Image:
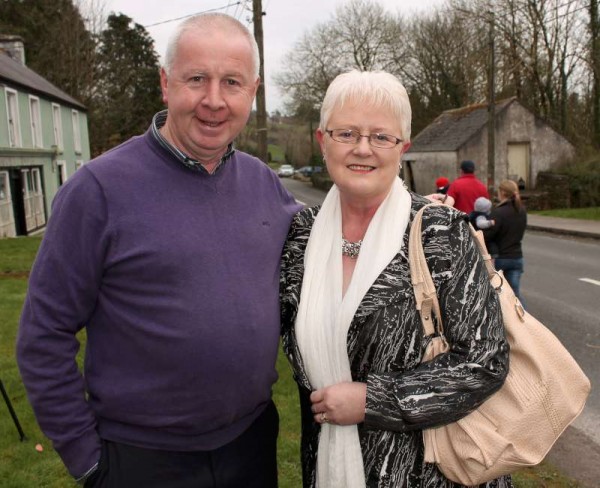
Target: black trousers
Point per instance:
(250, 461)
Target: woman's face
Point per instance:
(362, 172)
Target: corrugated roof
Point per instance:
(13, 72)
(453, 128)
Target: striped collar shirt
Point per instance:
(158, 121)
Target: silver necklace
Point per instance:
(350, 249)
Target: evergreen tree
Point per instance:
(57, 44)
(128, 90)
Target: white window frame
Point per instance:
(57, 126)
(62, 167)
(5, 195)
(12, 114)
(35, 115)
(78, 164)
(76, 131)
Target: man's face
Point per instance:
(209, 92)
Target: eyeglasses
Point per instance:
(351, 136)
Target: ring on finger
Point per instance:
(324, 418)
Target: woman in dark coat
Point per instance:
(506, 235)
(350, 326)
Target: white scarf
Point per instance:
(324, 317)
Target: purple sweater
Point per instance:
(175, 275)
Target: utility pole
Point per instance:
(261, 110)
(595, 61)
(491, 183)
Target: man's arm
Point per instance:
(63, 287)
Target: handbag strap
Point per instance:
(420, 276)
(424, 289)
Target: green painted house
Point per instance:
(43, 140)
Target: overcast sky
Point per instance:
(283, 25)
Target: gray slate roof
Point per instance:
(453, 128)
(14, 73)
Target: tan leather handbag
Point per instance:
(545, 389)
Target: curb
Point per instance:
(562, 231)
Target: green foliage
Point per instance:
(57, 44)
(584, 180)
(277, 154)
(128, 94)
(589, 213)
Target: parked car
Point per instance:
(285, 170)
(309, 170)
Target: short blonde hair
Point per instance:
(377, 88)
(206, 22)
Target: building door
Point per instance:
(39, 208)
(7, 218)
(16, 191)
(518, 164)
(33, 199)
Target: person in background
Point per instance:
(465, 189)
(349, 321)
(167, 250)
(442, 184)
(506, 236)
(480, 216)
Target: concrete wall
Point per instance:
(547, 148)
(427, 167)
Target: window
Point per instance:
(36, 182)
(57, 125)
(78, 164)
(14, 127)
(62, 172)
(36, 121)
(4, 187)
(76, 131)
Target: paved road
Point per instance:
(561, 287)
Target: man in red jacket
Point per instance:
(466, 188)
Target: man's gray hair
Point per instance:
(206, 22)
(375, 88)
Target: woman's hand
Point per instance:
(341, 404)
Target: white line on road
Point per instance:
(301, 202)
(589, 280)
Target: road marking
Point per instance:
(304, 203)
(589, 280)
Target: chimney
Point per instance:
(13, 47)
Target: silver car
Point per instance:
(285, 170)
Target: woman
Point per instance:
(506, 235)
(350, 327)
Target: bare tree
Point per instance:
(360, 36)
(447, 67)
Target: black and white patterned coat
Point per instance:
(386, 343)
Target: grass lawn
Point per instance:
(589, 213)
(277, 153)
(21, 466)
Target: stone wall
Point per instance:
(552, 191)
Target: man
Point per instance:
(465, 189)
(167, 250)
